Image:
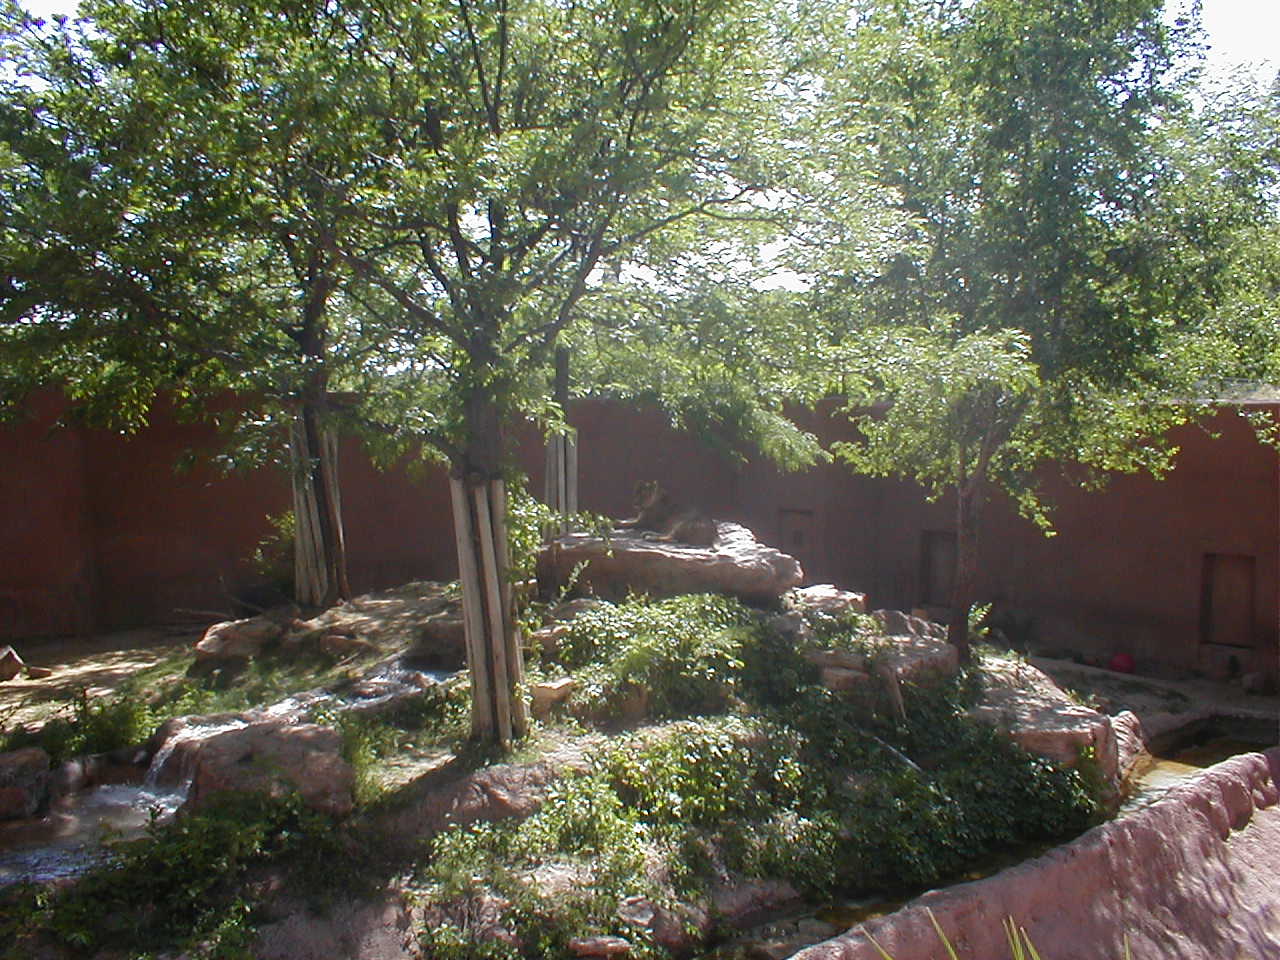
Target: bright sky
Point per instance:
(1240, 31)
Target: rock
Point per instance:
(829, 599)
(548, 695)
(335, 644)
(10, 663)
(895, 623)
(570, 609)
(1131, 745)
(841, 679)
(1044, 720)
(626, 562)
(24, 783)
(600, 947)
(275, 758)
(914, 658)
(1254, 682)
(38, 673)
(743, 903)
(240, 639)
(547, 638)
(441, 643)
(385, 928)
(676, 932)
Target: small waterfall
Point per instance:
(195, 728)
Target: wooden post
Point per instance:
(492, 594)
(510, 632)
(309, 574)
(483, 719)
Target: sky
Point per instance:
(1241, 32)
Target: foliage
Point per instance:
(181, 883)
(94, 725)
(682, 651)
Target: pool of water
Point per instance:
(75, 834)
(1200, 750)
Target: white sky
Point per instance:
(1240, 31)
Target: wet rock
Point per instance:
(600, 947)
(737, 564)
(10, 663)
(275, 758)
(24, 782)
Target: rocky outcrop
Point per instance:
(1190, 877)
(24, 782)
(1041, 718)
(626, 562)
(275, 758)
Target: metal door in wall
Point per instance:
(1227, 599)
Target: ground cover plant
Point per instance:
(758, 772)
(745, 768)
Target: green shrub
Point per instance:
(93, 726)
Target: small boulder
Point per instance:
(275, 758)
(38, 673)
(843, 679)
(895, 623)
(600, 947)
(829, 599)
(239, 639)
(10, 663)
(441, 643)
(627, 562)
(547, 696)
(24, 783)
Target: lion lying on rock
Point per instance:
(659, 517)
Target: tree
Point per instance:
(1030, 321)
(173, 190)
(533, 150)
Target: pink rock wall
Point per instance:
(1192, 877)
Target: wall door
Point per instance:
(1227, 600)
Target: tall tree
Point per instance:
(1031, 321)
(173, 191)
(533, 150)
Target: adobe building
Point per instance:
(101, 532)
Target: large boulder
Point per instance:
(275, 758)
(1043, 719)
(24, 782)
(627, 562)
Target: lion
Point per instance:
(659, 517)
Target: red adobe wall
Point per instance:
(99, 531)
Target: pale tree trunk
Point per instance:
(320, 564)
(561, 489)
(968, 507)
(498, 709)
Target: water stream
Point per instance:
(75, 834)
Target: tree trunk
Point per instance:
(561, 490)
(320, 561)
(968, 505)
(498, 710)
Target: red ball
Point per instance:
(1122, 663)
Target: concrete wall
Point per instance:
(99, 531)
